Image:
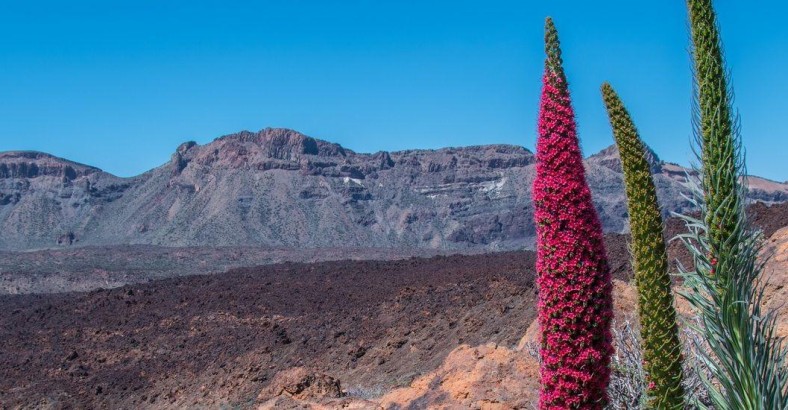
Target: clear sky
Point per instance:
(119, 84)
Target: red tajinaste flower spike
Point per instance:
(575, 288)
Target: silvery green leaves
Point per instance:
(745, 357)
(726, 287)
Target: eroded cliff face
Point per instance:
(46, 201)
(280, 188)
(29, 164)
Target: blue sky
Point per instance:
(120, 84)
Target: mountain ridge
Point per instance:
(249, 136)
(279, 187)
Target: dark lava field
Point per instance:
(217, 341)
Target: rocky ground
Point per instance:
(443, 332)
(93, 267)
(221, 339)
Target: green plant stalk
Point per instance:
(662, 358)
(745, 357)
(715, 129)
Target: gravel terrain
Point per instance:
(349, 331)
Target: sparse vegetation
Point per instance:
(291, 335)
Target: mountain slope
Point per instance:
(278, 187)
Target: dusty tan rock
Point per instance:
(300, 388)
(496, 377)
(481, 377)
(776, 274)
(486, 377)
(291, 403)
(302, 384)
(491, 377)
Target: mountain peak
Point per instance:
(285, 143)
(269, 148)
(609, 158)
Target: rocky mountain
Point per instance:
(280, 188)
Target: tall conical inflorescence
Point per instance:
(715, 132)
(745, 357)
(662, 356)
(575, 288)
